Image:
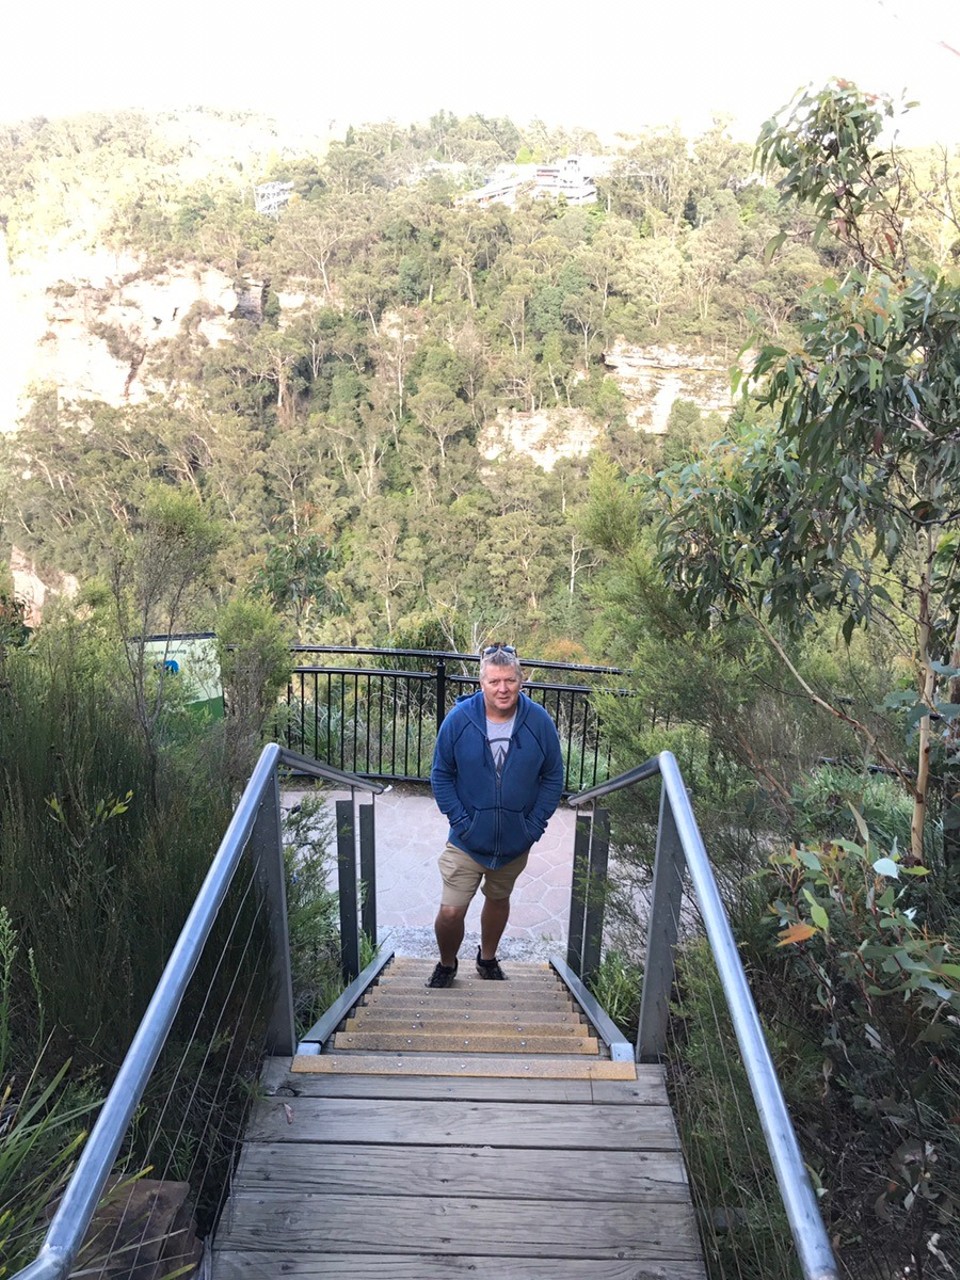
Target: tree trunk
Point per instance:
(951, 766)
(927, 694)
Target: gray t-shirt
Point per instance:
(499, 735)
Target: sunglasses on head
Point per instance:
(498, 648)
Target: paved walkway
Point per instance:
(410, 833)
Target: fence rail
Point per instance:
(680, 855)
(370, 716)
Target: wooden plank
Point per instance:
(546, 1068)
(468, 981)
(551, 992)
(410, 967)
(422, 964)
(498, 1041)
(276, 1079)
(368, 1018)
(421, 1169)
(466, 998)
(374, 1169)
(534, 1124)
(491, 1228)
(261, 1265)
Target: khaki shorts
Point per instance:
(462, 875)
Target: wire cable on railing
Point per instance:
(238, 1119)
(745, 1237)
(141, 1157)
(211, 1037)
(225, 951)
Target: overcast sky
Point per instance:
(614, 65)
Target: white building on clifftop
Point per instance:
(572, 178)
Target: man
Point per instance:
(497, 775)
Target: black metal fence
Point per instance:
(376, 712)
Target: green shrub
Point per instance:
(881, 991)
(743, 1223)
(617, 985)
(826, 800)
(100, 857)
(255, 665)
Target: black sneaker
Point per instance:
(490, 969)
(443, 976)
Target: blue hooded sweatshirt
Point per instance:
(496, 819)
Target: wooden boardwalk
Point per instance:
(475, 1131)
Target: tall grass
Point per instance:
(42, 1114)
(98, 867)
(104, 842)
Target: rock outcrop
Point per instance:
(545, 436)
(35, 591)
(652, 378)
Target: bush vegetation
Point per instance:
(105, 839)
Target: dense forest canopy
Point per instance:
(340, 438)
(343, 434)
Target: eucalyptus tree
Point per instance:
(847, 500)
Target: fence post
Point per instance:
(368, 872)
(266, 845)
(441, 691)
(662, 930)
(596, 894)
(578, 892)
(347, 890)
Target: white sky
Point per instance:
(613, 65)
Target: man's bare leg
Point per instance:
(448, 927)
(493, 921)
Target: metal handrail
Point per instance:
(256, 817)
(680, 844)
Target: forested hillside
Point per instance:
(348, 395)
(400, 417)
(346, 404)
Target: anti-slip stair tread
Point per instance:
(420, 964)
(506, 1066)
(528, 1026)
(537, 1025)
(492, 1042)
(467, 977)
(494, 996)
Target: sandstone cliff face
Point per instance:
(652, 378)
(35, 592)
(86, 322)
(544, 435)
